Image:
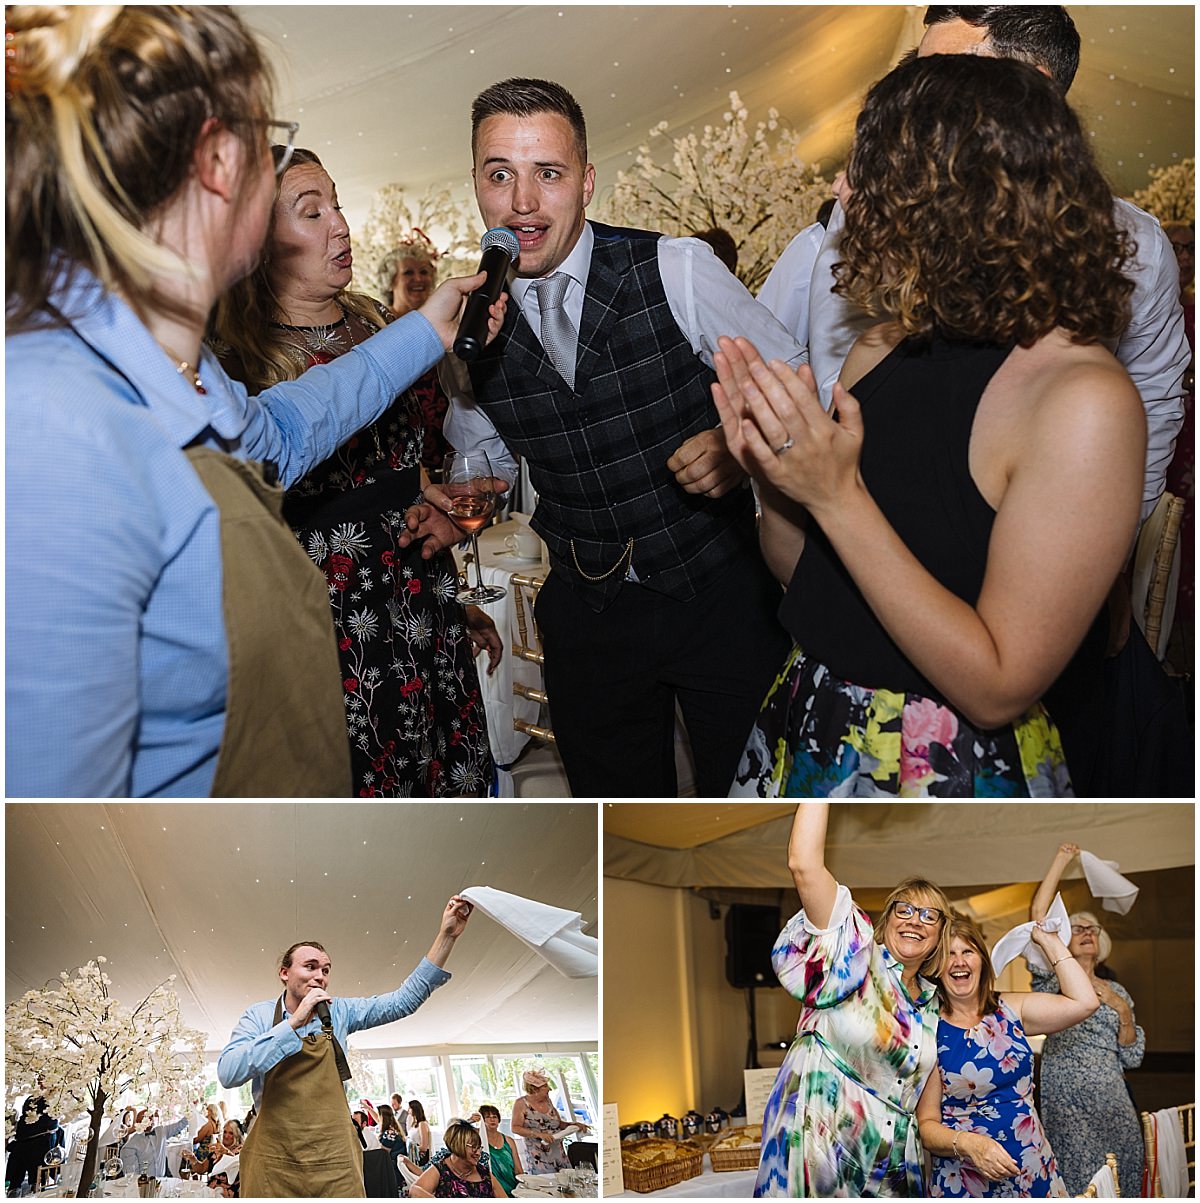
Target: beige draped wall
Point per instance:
(675, 1031)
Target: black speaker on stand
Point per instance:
(750, 934)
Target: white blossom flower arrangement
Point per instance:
(1171, 193)
(82, 1049)
(750, 182)
(396, 217)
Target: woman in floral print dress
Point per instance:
(414, 714)
(976, 1115)
(839, 1122)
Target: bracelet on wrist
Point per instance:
(954, 1146)
(1068, 957)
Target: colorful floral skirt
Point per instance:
(821, 737)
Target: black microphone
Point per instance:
(500, 249)
(322, 1010)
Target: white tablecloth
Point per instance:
(497, 690)
(728, 1184)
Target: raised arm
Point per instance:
(985, 1154)
(454, 923)
(1049, 887)
(1043, 1013)
(806, 862)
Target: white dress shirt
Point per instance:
(706, 300)
(1153, 348)
(785, 291)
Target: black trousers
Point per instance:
(613, 679)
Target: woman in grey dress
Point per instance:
(1085, 1106)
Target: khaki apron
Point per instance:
(303, 1143)
(285, 720)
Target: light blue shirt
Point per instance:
(117, 665)
(259, 1044)
(146, 1152)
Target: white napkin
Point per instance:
(1105, 1182)
(227, 1165)
(1017, 943)
(1172, 1157)
(554, 933)
(1116, 892)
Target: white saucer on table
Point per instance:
(508, 554)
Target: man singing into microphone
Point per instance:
(600, 379)
(292, 1049)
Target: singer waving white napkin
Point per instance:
(1017, 943)
(1116, 893)
(554, 933)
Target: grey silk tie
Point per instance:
(559, 338)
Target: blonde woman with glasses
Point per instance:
(840, 1119)
(166, 635)
(1086, 1107)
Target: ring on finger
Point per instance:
(785, 446)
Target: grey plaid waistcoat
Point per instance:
(598, 455)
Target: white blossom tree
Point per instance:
(750, 182)
(396, 217)
(1171, 193)
(82, 1049)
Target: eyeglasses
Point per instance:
(928, 915)
(1083, 929)
(283, 133)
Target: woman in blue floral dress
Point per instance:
(976, 1115)
(414, 713)
(839, 1122)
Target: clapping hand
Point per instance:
(777, 430)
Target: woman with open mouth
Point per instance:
(414, 714)
(840, 1120)
(976, 1115)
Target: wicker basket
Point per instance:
(684, 1164)
(736, 1157)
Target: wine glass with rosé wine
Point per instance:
(468, 482)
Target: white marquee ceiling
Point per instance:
(214, 892)
(383, 92)
(873, 844)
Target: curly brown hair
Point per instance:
(977, 211)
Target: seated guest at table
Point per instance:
(227, 1144)
(413, 711)
(144, 1154)
(419, 1136)
(839, 1121)
(535, 1118)
(501, 1149)
(407, 276)
(368, 1137)
(463, 1172)
(391, 1136)
(948, 538)
(199, 1159)
(303, 1143)
(187, 650)
(976, 1115)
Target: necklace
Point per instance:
(188, 372)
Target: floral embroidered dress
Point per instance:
(1085, 1105)
(414, 714)
(839, 1122)
(987, 1086)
